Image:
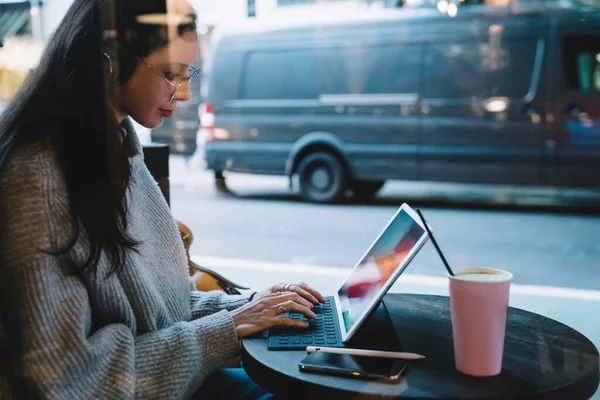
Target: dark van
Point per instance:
(492, 95)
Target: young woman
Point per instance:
(95, 295)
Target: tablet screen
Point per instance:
(385, 259)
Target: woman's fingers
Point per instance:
(306, 292)
(266, 312)
(315, 293)
(286, 296)
(292, 305)
(301, 288)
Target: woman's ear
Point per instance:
(109, 49)
(108, 67)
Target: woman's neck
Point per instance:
(120, 116)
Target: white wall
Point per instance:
(53, 12)
(212, 12)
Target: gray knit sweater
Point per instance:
(143, 332)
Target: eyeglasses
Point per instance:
(176, 86)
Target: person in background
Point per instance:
(95, 296)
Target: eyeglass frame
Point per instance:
(176, 87)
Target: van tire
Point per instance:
(365, 190)
(322, 178)
(219, 175)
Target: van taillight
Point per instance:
(207, 108)
(207, 121)
(207, 118)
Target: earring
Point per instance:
(110, 68)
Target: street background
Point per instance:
(257, 232)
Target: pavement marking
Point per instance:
(432, 281)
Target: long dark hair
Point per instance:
(65, 100)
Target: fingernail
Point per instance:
(304, 323)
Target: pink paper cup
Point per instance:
(478, 306)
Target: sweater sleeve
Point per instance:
(58, 355)
(206, 303)
(54, 349)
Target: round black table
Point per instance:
(543, 359)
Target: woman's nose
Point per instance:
(184, 93)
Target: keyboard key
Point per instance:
(322, 329)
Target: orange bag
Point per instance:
(205, 278)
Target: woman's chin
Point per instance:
(148, 123)
(154, 125)
(151, 123)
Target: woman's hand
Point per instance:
(265, 310)
(301, 289)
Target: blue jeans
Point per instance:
(231, 384)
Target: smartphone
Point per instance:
(353, 366)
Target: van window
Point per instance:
(293, 74)
(489, 69)
(382, 69)
(309, 73)
(582, 63)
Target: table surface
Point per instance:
(542, 359)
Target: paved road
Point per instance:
(262, 220)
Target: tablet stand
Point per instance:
(377, 332)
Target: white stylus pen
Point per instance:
(366, 353)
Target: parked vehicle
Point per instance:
(493, 95)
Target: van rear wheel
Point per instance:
(322, 178)
(220, 182)
(365, 190)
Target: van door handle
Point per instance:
(575, 112)
(531, 111)
(534, 115)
